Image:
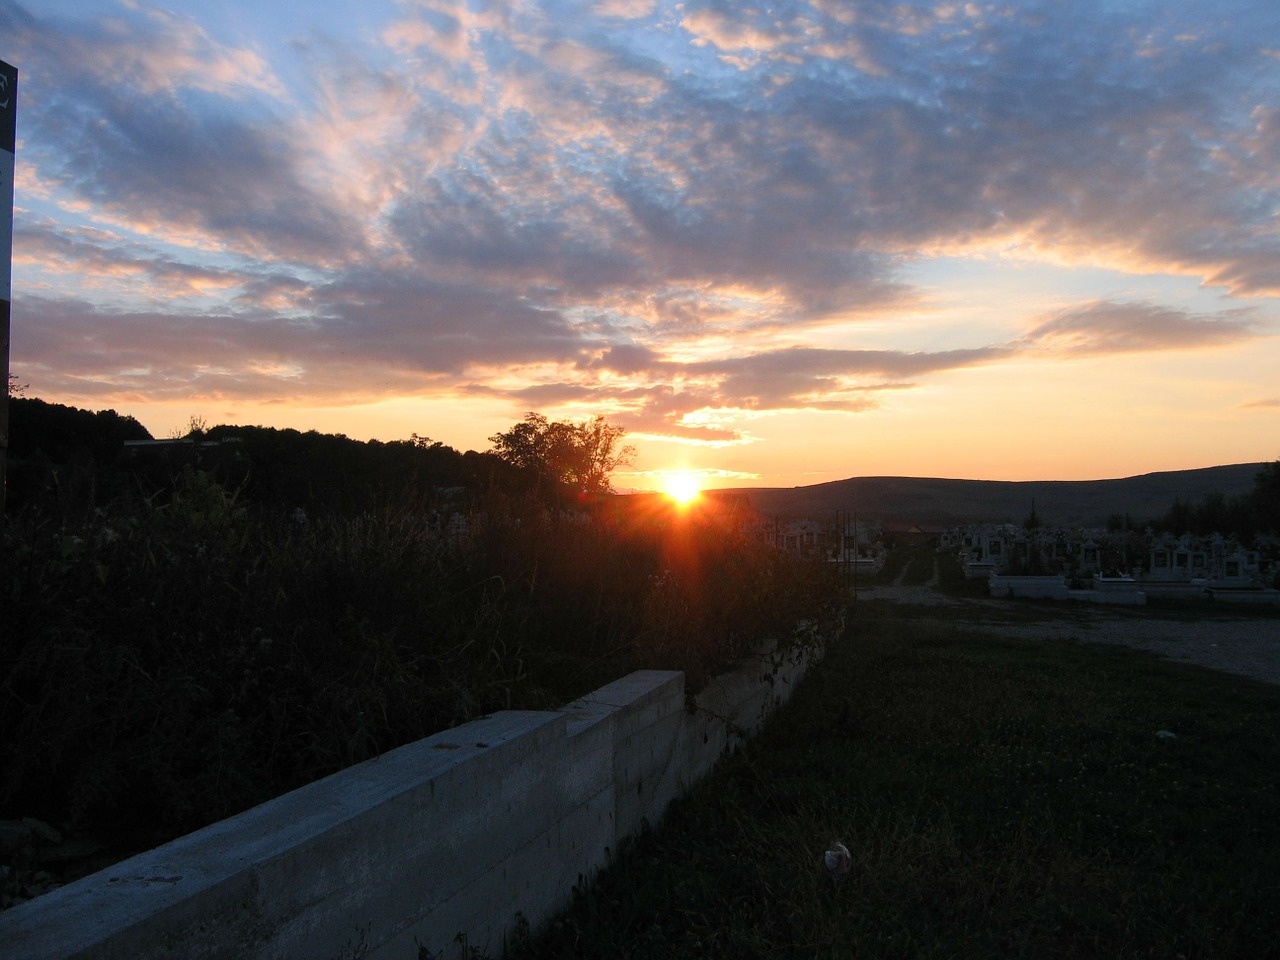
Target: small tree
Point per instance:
(1032, 523)
(1266, 498)
(579, 456)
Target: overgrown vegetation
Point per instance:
(1000, 799)
(202, 639)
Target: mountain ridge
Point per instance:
(939, 501)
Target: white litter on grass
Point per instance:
(838, 859)
(1166, 735)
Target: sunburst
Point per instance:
(682, 486)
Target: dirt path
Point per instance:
(1249, 646)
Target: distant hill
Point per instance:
(939, 502)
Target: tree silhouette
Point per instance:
(574, 456)
(1266, 497)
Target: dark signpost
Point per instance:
(8, 145)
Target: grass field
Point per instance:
(1000, 797)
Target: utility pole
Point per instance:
(8, 148)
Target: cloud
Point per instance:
(146, 49)
(366, 339)
(368, 342)
(799, 378)
(114, 265)
(624, 358)
(161, 131)
(588, 162)
(156, 168)
(624, 9)
(1105, 327)
(664, 398)
(652, 210)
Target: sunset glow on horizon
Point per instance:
(778, 246)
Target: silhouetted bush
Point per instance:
(64, 461)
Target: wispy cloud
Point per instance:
(1106, 327)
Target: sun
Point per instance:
(682, 486)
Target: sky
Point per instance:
(779, 244)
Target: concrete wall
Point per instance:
(439, 844)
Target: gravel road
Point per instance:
(1245, 645)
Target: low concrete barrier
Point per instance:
(444, 844)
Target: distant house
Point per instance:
(803, 538)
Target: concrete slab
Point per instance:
(457, 834)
